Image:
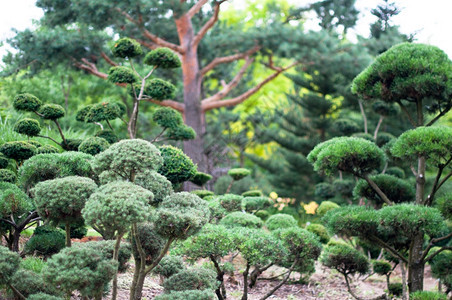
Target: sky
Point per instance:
(430, 20)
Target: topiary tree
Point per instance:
(27, 126)
(200, 178)
(320, 231)
(62, 200)
(191, 279)
(241, 219)
(231, 202)
(280, 221)
(256, 204)
(18, 150)
(45, 241)
(188, 295)
(237, 174)
(93, 145)
(169, 266)
(177, 167)
(384, 268)
(83, 268)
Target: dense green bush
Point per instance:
(151, 242)
(177, 166)
(320, 231)
(169, 265)
(126, 48)
(72, 144)
(346, 126)
(188, 295)
(18, 150)
(200, 178)
(27, 126)
(93, 145)
(163, 58)
(121, 74)
(325, 207)
(231, 202)
(47, 149)
(396, 171)
(383, 138)
(106, 249)
(202, 193)
(108, 135)
(217, 212)
(381, 267)
(241, 219)
(280, 221)
(156, 183)
(7, 176)
(324, 191)
(43, 296)
(9, 264)
(158, 89)
(427, 295)
(345, 259)
(80, 268)
(254, 204)
(253, 193)
(238, 173)
(3, 161)
(167, 117)
(103, 111)
(444, 204)
(191, 279)
(45, 241)
(395, 289)
(51, 111)
(26, 102)
(28, 283)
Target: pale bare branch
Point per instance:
(168, 103)
(196, 8)
(209, 24)
(227, 59)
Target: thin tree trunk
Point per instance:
(245, 282)
(114, 292)
(404, 291)
(416, 265)
(361, 108)
(282, 281)
(68, 234)
(378, 127)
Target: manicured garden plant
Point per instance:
(177, 167)
(191, 279)
(169, 266)
(188, 295)
(45, 241)
(320, 231)
(237, 174)
(203, 193)
(280, 221)
(241, 219)
(231, 202)
(9, 264)
(200, 178)
(256, 204)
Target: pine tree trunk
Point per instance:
(416, 265)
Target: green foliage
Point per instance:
(280, 221)
(231, 202)
(9, 264)
(56, 165)
(81, 113)
(427, 295)
(241, 219)
(381, 267)
(106, 249)
(103, 111)
(217, 211)
(77, 229)
(93, 145)
(325, 207)
(365, 136)
(62, 199)
(7, 176)
(352, 221)
(28, 282)
(26, 102)
(253, 193)
(344, 187)
(396, 171)
(320, 231)
(3, 161)
(188, 295)
(151, 242)
(71, 144)
(238, 187)
(383, 138)
(444, 204)
(324, 190)
(191, 279)
(395, 289)
(45, 241)
(34, 264)
(200, 178)
(18, 150)
(126, 48)
(181, 215)
(348, 154)
(27, 126)
(167, 117)
(156, 183)
(121, 74)
(163, 58)
(177, 166)
(128, 157)
(80, 268)
(253, 204)
(158, 89)
(51, 111)
(43, 296)
(385, 109)
(47, 149)
(202, 193)
(183, 132)
(434, 143)
(346, 126)
(13, 201)
(417, 71)
(116, 206)
(170, 265)
(345, 259)
(396, 189)
(442, 267)
(238, 173)
(109, 135)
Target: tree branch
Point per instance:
(239, 99)
(377, 190)
(227, 59)
(436, 186)
(209, 24)
(442, 113)
(168, 103)
(438, 252)
(108, 59)
(196, 8)
(432, 242)
(405, 110)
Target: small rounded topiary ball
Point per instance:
(177, 167)
(381, 267)
(126, 47)
(121, 74)
(167, 117)
(47, 149)
(18, 150)
(200, 178)
(93, 145)
(238, 173)
(280, 221)
(51, 111)
(326, 206)
(109, 135)
(162, 58)
(182, 132)
(26, 102)
(27, 126)
(7, 176)
(159, 89)
(82, 112)
(103, 111)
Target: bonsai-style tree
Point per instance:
(237, 174)
(62, 200)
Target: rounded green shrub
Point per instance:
(163, 58)
(151, 242)
(18, 150)
(383, 138)
(182, 132)
(103, 111)
(320, 231)
(81, 113)
(200, 178)
(444, 204)
(254, 204)
(26, 102)
(395, 289)
(3, 161)
(159, 89)
(167, 117)
(177, 166)
(202, 193)
(45, 241)
(262, 214)
(72, 144)
(188, 295)
(169, 265)
(43, 296)
(427, 295)
(231, 202)
(280, 221)
(325, 206)
(345, 259)
(241, 219)
(80, 268)
(352, 221)
(51, 111)
(47, 149)
(442, 266)
(253, 193)
(28, 283)
(191, 279)
(156, 183)
(324, 190)
(396, 171)
(217, 212)
(9, 264)
(121, 74)
(62, 199)
(109, 135)
(13, 201)
(346, 126)
(381, 267)
(7, 176)
(93, 145)
(238, 173)
(27, 126)
(181, 215)
(126, 48)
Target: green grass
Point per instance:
(33, 264)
